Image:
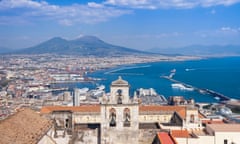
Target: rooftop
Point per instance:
(165, 138)
(82, 108)
(212, 121)
(180, 133)
(225, 127)
(120, 81)
(25, 126)
(181, 110)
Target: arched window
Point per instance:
(126, 117)
(119, 92)
(119, 96)
(66, 123)
(112, 117)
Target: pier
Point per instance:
(215, 94)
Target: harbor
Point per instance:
(215, 94)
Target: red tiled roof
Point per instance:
(24, 127)
(209, 121)
(83, 108)
(165, 138)
(160, 108)
(180, 133)
(181, 110)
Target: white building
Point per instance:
(224, 133)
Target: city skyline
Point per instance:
(138, 24)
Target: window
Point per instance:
(119, 92)
(126, 117)
(112, 117)
(119, 96)
(225, 141)
(119, 100)
(192, 119)
(66, 123)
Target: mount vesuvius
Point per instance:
(84, 46)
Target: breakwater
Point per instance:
(215, 94)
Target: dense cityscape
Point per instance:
(28, 86)
(119, 72)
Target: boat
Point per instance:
(173, 70)
(181, 87)
(101, 87)
(187, 69)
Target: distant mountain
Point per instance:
(87, 45)
(201, 50)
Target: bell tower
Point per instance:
(119, 115)
(119, 91)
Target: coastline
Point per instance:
(133, 73)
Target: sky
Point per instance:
(138, 24)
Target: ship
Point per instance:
(181, 87)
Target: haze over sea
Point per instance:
(218, 74)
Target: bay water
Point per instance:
(219, 74)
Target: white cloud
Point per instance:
(95, 5)
(230, 30)
(154, 4)
(30, 10)
(6, 4)
(220, 32)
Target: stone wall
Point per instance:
(163, 118)
(89, 117)
(119, 134)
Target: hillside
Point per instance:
(87, 45)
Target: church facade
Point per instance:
(118, 119)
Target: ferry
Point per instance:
(173, 70)
(181, 87)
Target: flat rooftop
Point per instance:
(225, 127)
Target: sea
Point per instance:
(218, 74)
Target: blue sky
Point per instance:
(138, 24)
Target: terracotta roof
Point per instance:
(24, 127)
(209, 121)
(83, 108)
(180, 133)
(182, 113)
(165, 138)
(225, 127)
(181, 110)
(160, 108)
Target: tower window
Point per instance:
(119, 100)
(112, 117)
(119, 96)
(66, 123)
(126, 117)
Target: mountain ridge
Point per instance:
(86, 45)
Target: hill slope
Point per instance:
(87, 45)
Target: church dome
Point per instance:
(120, 82)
